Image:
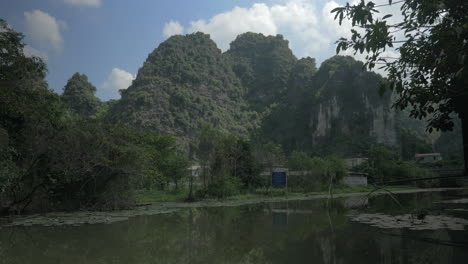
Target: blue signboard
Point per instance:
(278, 179)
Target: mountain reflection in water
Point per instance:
(282, 232)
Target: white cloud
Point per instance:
(297, 20)
(308, 25)
(173, 28)
(30, 52)
(117, 80)
(44, 30)
(332, 26)
(224, 27)
(91, 3)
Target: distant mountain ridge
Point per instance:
(184, 83)
(258, 85)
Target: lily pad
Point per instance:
(457, 201)
(81, 218)
(430, 222)
(458, 210)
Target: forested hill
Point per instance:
(259, 85)
(264, 65)
(336, 109)
(184, 83)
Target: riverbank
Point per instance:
(167, 207)
(252, 199)
(154, 196)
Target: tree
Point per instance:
(208, 139)
(243, 164)
(29, 118)
(379, 158)
(78, 94)
(430, 75)
(52, 160)
(228, 160)
(176, 167)
(15, 67)
(299, 161)
(269, 155)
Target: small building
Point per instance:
(353, 162)
(194, 170)
(427, 157)
(355, 179)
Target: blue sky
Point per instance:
(109, 40)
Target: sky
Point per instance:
(108, 40)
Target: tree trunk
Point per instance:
(464, 121)
(204, 175)
(190, 198)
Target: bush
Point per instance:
(271, 191)
(117, 195)
(299, 161)
(223, 187)
(308, 182)
(228, 163)
(383, 167)
(315, 172)
(200, 193)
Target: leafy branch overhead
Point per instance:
(430, 72)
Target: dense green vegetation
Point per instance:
(236, 114)
(384, 167)
(263, 64)
(185, 82)
(260, 90)
(336, 111)
(317, 173)
(78, 94)
(56, 154)
(429, 73)
(228, 164)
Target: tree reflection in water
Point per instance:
(305, 232)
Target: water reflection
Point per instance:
(356, 202)
(287, 232)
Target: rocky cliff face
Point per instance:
(383, 124)
(369, 125)
(345, 112)
(259, 84)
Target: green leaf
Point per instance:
(387, 16)
(338, 9)
(338, 48)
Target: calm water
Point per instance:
(292, 232)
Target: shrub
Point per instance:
(316, 172)
(307, 182)
(271, 191)
(223, 187)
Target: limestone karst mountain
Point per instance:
(184, 83)
(259, 85)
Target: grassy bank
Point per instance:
(147, 196)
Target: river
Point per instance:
(428, 227)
